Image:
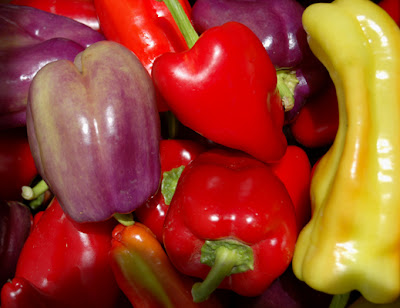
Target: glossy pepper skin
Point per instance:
(352, 240)
(144, 26)
(277, 23)
(63, 264)
(145, 274)
(294, 170)
(318, 121)
(175, 154)
(224, 88)
(229, 198)
(29, 39)
(94, 130)
(79, 10)
(17, 164)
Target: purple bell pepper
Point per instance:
(278, 25)
(94, 132)
(29, 39)
(15, 225)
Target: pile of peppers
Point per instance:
(204, 153)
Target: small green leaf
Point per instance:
(169, 182)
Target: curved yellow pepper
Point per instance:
(352, 241)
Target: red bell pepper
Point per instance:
(79, 10)
(318, 121)
(224, 88)
(294, 170)
(63, 264)
(16, 161)
(144, 26)
(146, 275)
(231, 222)
(174, 156)
(392, 7)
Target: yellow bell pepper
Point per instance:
(352, 241)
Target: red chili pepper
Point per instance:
(231, 222)
(294, 170)
(145, 274)
(80, 10)
(63, 264)
(174, 156)
(144, 26)
(392, 7)
(16, 161)
(317, 122)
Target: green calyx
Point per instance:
(169, 182)
(286, 84)
(225, 257)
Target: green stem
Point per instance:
(183, 22)
(225, 260)
(31, 193)
(286, 84)
(124, 219)
(340, 300)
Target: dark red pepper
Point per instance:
(231, 222)
(392, 7)
(318, 121)
(63, 264)
(174, 156)
(16, 161)
(79, 10)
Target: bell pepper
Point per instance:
(277, 23)
(352, 241)
(144, 26)
(15, 225)
(392, 7)
(294, 170)
(224, 88)
(318, 121)
(145, 274)
(29, 39)
(18, 167)
(174, 156)
(63, 264)
(79, 10)
(231, 222)
(94, 130)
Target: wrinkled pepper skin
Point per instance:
(15, 225)
(145, 274)
(174, 153)
(224, 88)
(94, 131)
(228, 195)
(29, 39)
(79, 10)
(352, 240)
(17, 164)
(144, 26)
(64, 264)
(277, 23)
